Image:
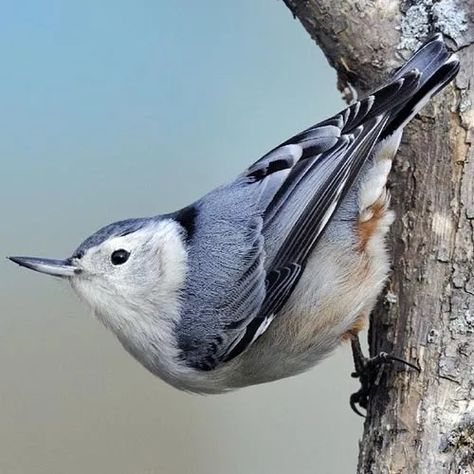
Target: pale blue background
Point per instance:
(114, 109)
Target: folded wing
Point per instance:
(237, 282)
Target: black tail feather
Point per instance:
(436, 67)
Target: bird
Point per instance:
(264, 276)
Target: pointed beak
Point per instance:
(59, 268)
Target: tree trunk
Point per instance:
(417, 423)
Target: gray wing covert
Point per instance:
(225, 285)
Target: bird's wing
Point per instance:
(317, 193)
(236, 284)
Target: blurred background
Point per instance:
(115, 109)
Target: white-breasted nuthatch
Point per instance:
(264, 276)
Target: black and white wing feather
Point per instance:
(252, 237)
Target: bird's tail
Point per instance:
(436, 67)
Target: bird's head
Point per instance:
(125, 270)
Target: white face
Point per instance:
(129, 279)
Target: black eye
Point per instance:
(119, 256)
(79, 254)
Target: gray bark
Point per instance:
(417, 423)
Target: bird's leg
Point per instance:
(369, 371)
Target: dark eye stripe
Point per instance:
(119, 257)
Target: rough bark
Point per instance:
(417, 423)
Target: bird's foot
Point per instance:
(369, 372)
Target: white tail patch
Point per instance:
(373, 185)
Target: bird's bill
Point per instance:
(49, 266)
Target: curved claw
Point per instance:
(368, 371)
(390, 357)
(353, 402)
